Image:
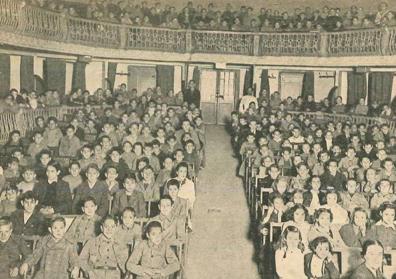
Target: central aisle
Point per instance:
(219, 245)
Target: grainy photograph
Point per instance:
(212, 139)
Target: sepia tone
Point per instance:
(188, 140)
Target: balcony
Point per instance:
(42, 24)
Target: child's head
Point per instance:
(189, 146)
(360, 217)
(298, 197)
(286, 153)
(387, 212)
(365, 162)
(350, 153)
(384, 186)
(11, 193)
(127, 147)
(173, 186)
(168, 163)
(89, 206)
(181, 171)
(165, 205)
(273, 171)
(37, 137)
(250, 138)
(321, 247)
(29, 201)
(130, 182)
(57, 227)
(291, 237)
(53, 171)
(179, 155)
(70, 131)
(128, 217)
(315, 183)
(138, 148)
(282, 185)
(278, 202)
(86, 151)
(373, 254)
(387, 164)
(154, 232)
(28, 174)
(148, 149)
(5, 228)
(323, 217)
(13, 164)
(115, 154)
(332, 198)
(332, 166)
(92, 172)
(45, 157)
(108, 226)
(111, 173)
(298, 213)
(74, 168)
(148, 173)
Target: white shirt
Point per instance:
(289, 263)
(187, 191)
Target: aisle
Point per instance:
(219, 245)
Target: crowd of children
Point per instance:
(317, 187)
(125, 174)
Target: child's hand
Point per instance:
(23, 269)
(14, 272)
(264, 231)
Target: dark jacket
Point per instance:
(12, 254)
(192, 97)
(136, 201)
(57, 195)
(363, 272)
(99, 192)
(35, 225)
(329, 270)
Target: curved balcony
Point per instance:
(50, 26)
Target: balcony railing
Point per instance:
(52, 26)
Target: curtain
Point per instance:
(165, 77)
(55, 74)
(265, 82)
(308, 86)
(78, 79)
(380, 87)
(27, 72)
(111, 74)
(248, 82)
(356, 87)
(237, 88)
(5, 68)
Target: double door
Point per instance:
(218, 88)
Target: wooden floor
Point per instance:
(219, 246)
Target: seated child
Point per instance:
(153, 258)
(86, 157)
(275, 213)
(55, 253)
(339, 213)
(115, 160)
(12, 173)
(28, 220)
(85, 226)
(351, 199)
(148, 187)
(74, 178)
(129, 197)
(313, 197)
(37, 145)
(187, 187)
(9, 201)
(164, 174)
(297, 216)
(153, 160)
(23, 161)
(173, 226)
(191, 156)
(13, 250)
(384, 194)
(105, 255)
(40, 168)
(29, 180)
(128, 156)
(289, 257)
(354, 233)
(111, 175)
(320, 263)
(179, 207)
(70, 143)
(128, 232)
(385, 231)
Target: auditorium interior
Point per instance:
(281, 113)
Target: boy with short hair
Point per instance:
(56, 254)
(104, 256)
(70, 143)
(92, 187)
(37, 145)
(153, 258)
(153, 160)
(28, 220)
(29, 180)
(191, 156)
(9, 204)
(73, 178)
(179, 207)
(52, 134)
(86, 157)
(13, 250)
(44, 158)
(84, 227)
(128, 232)
(129, 197)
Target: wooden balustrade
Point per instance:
(298, 44)
(156, 39)
(355, 42)
(31, 21)
(222, 42)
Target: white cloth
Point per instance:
(289, 263)
(245, 101)
(187, 191)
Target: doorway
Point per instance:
(218, 89)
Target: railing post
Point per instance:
(256, 45)
(385, 41)
(22, 17)
(323, 44)
(123, 36)
(189, 41)
(64, 21)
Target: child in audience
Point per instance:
(111, 175)
(13, 250)
(191, 157)
(187, 187)
(28, 220)
(313, 197)
(55, 253)
(128, 156)
(19, 154)
(320, 263)
(105, 255)
(74, 178)
(297, 216)
(128, 232)
(153, 258)
(29, 180)
(179, 207)
(372, 267)
(9, 201)
(129, 197)
(12, 172)
(164, 174)
(351, 199)
(365, 164)
(37, 145)
(52, 134)
(44, 158)
(92, 187)
(385, 231)
(69, 144)
(153, 160)
(354, 233)
(85, 226)
(339, 213)
(323, 226)
(116, 161)
(289, 257)
(86, 157)
(384, 194)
